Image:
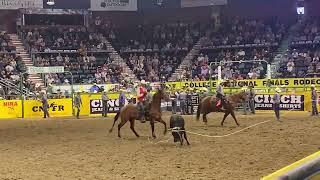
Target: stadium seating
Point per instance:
(169, 43)
(93, 67)
(238, 40)
(46, 39)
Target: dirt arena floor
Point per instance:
(84, 149)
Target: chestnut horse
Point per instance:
(208, 105)
(130, 113)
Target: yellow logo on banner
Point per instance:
(57, 108)
(10, 109)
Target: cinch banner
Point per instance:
(57, 108)
(259, 83)
(17, 4)
(92, 103)
(292, 102)
(10, 109)
(114, 5)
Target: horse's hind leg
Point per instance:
(132, 127)
(204, 118)
(119, 127)
(234, 117)
(226, 114)
(114, 122)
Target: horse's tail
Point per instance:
(199, 110)
(114, 122)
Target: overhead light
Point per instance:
(50, 2)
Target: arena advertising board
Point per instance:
(114, 5)
(291, 102)
(259, 83)
(197, 3)
(17, 4)
(10, 109)
(156, 4)
(57, 108)
(96, 106)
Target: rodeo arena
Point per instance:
(160, 89)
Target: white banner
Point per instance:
(45, 70)
(197, 3)
(114, 5)
(17, 4)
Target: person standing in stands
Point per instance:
(78, 104)
(104, 99)
(314, 99)
(276, 103)
(45, 105)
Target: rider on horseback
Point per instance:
(220, 95)
(141, 95)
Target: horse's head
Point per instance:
(242, 96)
(163, 93)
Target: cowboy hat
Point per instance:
(278, 90)
(143, 82)
(244, 88)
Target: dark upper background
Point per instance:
(171, 11)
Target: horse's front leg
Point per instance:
(152, 128)
(226, 114)
(234, 117)
(164, 123)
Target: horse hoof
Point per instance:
(221, 124)
(110, 131)
(154, 137)
(238, 125)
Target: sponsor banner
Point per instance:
(114, 5)
(154, 4)
(57, 108)
(17, 4)
(10, 109)
(197, 3)
(84, 88)
(92, 103)
(292, 102)
(258, 83)
(96, 106)
(68, 4)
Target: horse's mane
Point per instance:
(236, 98)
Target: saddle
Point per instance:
(217, 102)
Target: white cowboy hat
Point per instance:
(278, 90)
(143, 82)
(313, 86)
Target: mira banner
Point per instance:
(10, 109)
(17, 4)
(198, 3)
(291, 102)
(114, 5)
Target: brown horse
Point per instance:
(208, 105)
(130, 113)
